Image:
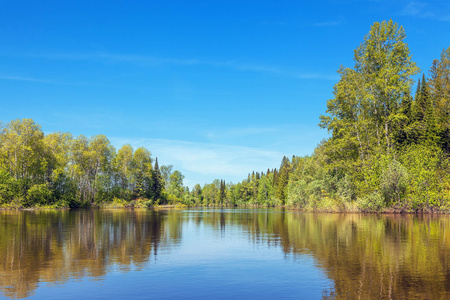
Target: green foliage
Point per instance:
(394, 182)
(175, 187)
(57, 170)
(428, 177)
(387, 150)
(373, 202)
(8, 187)
(265, 191)
(38, 194)
(157, 184)
(346, 189)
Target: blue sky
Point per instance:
(216, 88)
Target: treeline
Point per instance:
(388, 150)
(59, 170)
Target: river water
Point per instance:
(222, 254)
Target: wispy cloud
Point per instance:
(38, 80)
(204, 161)
(424, 10)
(327, 24)
(153, 61)
(239, 132)
(29, 79)
(415, 9)
(333, 77)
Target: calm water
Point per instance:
(222, 253)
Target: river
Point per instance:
(208, 253)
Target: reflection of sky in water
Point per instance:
(222, 253)
(208, 262)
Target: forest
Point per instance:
(388, 151)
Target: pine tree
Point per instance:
(440, 92)
(157, 183)
(406, 107)
(275, 178)
(432, 129)
(422, 100)
(402, 133)
(283, 180)
(222, 194)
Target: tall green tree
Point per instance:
(23, 153)
(142, 169)
(166, 171)
(384, 60)
(175, 187)
(283, 179)
(124, 168)
(265, 190)
(439, 84)
(366, 108)
(157, 184)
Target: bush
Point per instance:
(346, 189)
(394, 182)
(428, 173)
(371, 203)
(6, 190)
(38, 194)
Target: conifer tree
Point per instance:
(157, 183)
(439, 84)
(222, 194)
(283, 180)
(422, 100)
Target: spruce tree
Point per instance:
(283, 179)
(222, 194)
(157, 183)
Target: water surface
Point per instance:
(222, 253)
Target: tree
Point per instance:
(222, 193)
(197, 193)
(283, 180)
(23, 153)
(439, 84)
(142, 171)
(156, 187)
(166, 171)
(265, 190)
(385, 62)
(58, 146)
(176, 184)
(91, 165)
(365, 109)
(124, 167)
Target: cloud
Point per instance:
(333, 77)
(38, 80)
(204, 161)
(153, 61)
(223, 158)
(423, 10)
(29, 79)
(327, 24)
(239, 132)
(414, 8)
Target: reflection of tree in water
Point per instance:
(54, 246)
(367, 256)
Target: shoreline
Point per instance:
(393, 211)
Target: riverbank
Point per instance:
(332, 210)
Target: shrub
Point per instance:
(38, 194)
(373, 202)
(394, 182)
